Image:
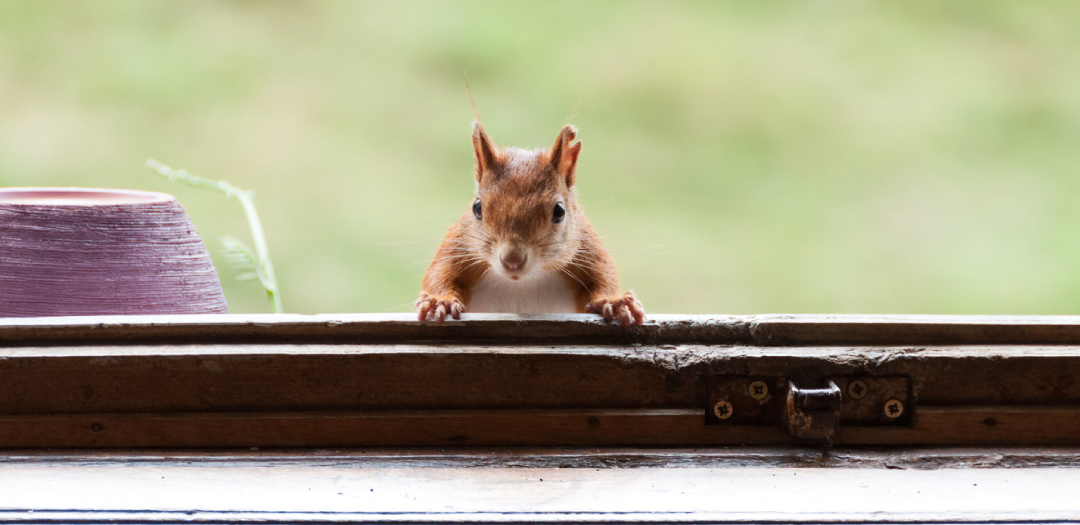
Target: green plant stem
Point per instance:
(246, 198)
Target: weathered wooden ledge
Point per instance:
(386, 380)
(550, 329)
(921, 458)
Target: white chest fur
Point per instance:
(544, 293)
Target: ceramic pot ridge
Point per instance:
(85, 251)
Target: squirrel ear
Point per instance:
(485, 151)
(564, 155)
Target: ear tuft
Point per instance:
(484, 150)
(564, 155)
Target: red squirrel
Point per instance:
(524, 246)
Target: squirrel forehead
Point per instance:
(525, 171)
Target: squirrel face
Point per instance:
(525, 216)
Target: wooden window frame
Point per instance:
(387, 380)
(528, 419)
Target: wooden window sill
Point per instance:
(228, 419)
(242, 492)
(387, 380)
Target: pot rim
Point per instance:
(60, 196)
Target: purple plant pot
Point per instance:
(83, 251)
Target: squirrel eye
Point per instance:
(476, 209)
(559, 214)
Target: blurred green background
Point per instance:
(739, 157)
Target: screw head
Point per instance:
(722, 409)
(759, 390)
(893, 408)
(857, 389)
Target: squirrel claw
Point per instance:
(627, 310)
(437, 308)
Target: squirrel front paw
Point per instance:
(437, 307)
(626, 309)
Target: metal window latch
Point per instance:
(813, 413)
(815, 410)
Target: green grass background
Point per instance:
(739, 157)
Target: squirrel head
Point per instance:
(525, 216)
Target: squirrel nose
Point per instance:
(513, 261)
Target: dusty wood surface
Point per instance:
(990, 425)
(368, 329)
(201, 493)
(760, 330)
(987, 426)
(502, 391)
(290, 378)
(377, 380)
(917, 458)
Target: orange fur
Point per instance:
(518, 237)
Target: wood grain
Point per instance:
(579, 329)
(591, 457)
(244, 391)
(296, 378)
(994, 426)
(1001, 425)
(937, 330)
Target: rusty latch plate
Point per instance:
(761, 400)
(875, 401)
